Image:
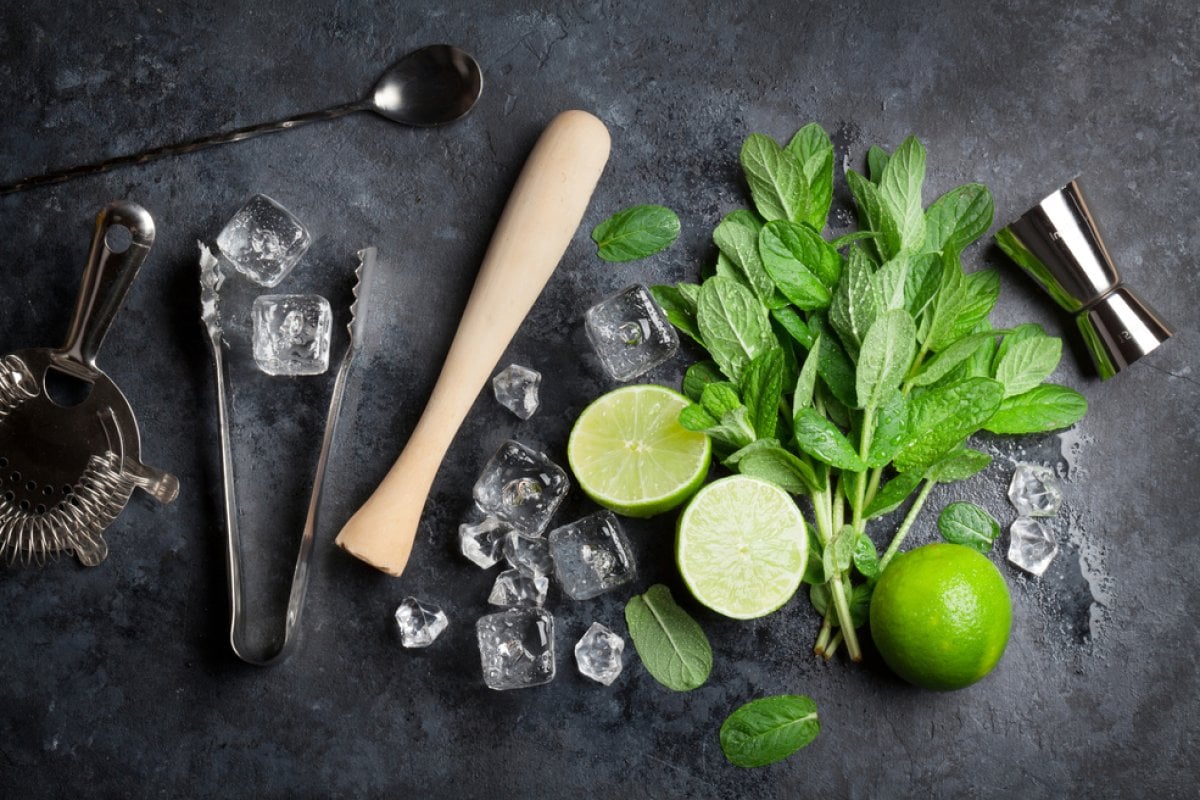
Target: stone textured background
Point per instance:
(118, 681)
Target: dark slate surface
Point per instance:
(118, 681)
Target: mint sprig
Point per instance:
(852, 371)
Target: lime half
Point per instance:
(630, 454)
(742, 547)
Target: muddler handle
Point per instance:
(539, 221)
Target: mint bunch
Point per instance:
(853, 370)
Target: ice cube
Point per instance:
(516, 388)
(1034, 491)
(516, 648)
(482, 541)
(291, 333)
(514, 588)
(598, 654)
(630, 332)
(1031, 545)
(419, 623)
(529, 554)
(591, 555)
(522, 487)
(263, 241)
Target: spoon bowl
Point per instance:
(430, 86)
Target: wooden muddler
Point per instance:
(539, 221)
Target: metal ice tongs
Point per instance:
(210, 281)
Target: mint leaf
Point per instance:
(795, 327)
(821, 439)
(1028, 362)
(887, 353)
(855, 305)
(834, 366)
(940, 365)
(900, 192)
(777, 182)
(891, 430)
(877, 159)
(636, 232)
(980, 291)
(893, 493)
(680, 312)
(698, 376)
(958, 466)
(943, 418)
(737, 238)
(1026, 330)
(733, 323)
(807, 380)
(866, 557)
(769, 729)
(762, 388)
(875, 214)
(959, 217)
(811, 148)
(968, 524)
(1048, 407)
(767, 460)
(804, 266)
(672, 645)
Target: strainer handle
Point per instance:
(106, 279)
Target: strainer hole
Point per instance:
(9, 496)
(48, 490)
(24, 505)
(31, 486)
(15, 477)
(40, 509)
(3, 462)
(66, 390)
(67, 489)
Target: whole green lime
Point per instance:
(940, 616)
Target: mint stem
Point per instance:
(823, 636)
(843, 611)
(902, 531)
(833, 645)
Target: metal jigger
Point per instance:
(1058, 244)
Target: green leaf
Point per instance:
(727, 269)
(1026, 330)
(860, 604)
(767, 460)
(839, 553)
(1028, 362)
(698, 376)
(900, 192)
(834, 366)
(959, 217)
(796, 255)
(671, 644)
(1048, 407)
(890, 283)
(635, 233)
(874, 215)
(795, 327)
(893, 493)
(958, 466)
(777, 183)
(737, 238)
(680, 312)
(968, 524)
(733, 323)
(807, 380)
(855, 305)
(694, 417)
(769, 729)
(891, 430)
(866, 557)
(981, 290)
(877, 159)
(937, 367)
(943, 418)
(818, 595)
(821, 439)
(813, 150)
(886, 356)
(762, 389)
(719, 398)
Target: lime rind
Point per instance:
(742, 547)
(630, 454)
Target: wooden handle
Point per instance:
(538, 223)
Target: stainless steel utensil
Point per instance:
(1058, 243)
(241, 615)
(430, 86)
(69, 465)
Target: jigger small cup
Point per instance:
(1058, 243)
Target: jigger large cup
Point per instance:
(1058, 243)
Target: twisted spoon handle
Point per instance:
(184, 147)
